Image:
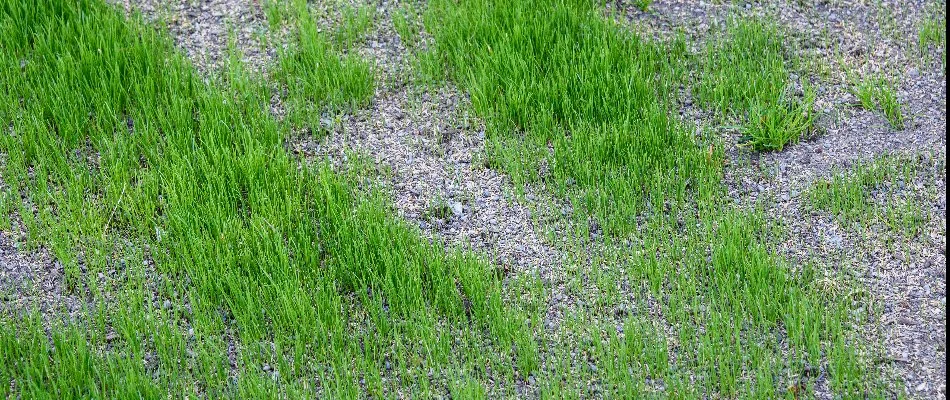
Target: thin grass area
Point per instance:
(271, 279)
(932, 33)
(744, 74)
(876, 92)
(872, 193)
(587, 107)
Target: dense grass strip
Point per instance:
(273, 279)
(561, 88)
(565, 90)
(744, 74)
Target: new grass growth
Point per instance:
(583, 101)
(932, 32)
(234, 271)
(356, 22)
(317, 78)
(744, 74)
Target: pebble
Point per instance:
(456, 209)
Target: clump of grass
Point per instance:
(643, 5)
(867, 193)
(878, 93)
(356, 22)
(559, 83)
(932, 32)
(744, 74)
(408, 25)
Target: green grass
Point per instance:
(126, 158)
(878, 93)
(223, 248)
(407, 23)
(317, 78)
(932, 32)
(745, 74)
(356, 23)
(561, 87)
(872, 193)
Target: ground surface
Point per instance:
(424, 147)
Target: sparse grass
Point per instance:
(559, 85)
(871, 192)
(875, 92)
(274, 278)
(932, 32)
(643, 5)
(407, 23)
(317, 77)
(353, 28)
(745, 74)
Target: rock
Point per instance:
(835, 240)
(456, 209)
(167, 304)
(786, 197)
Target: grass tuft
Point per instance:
(745, 74)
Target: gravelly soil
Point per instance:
(32, 281)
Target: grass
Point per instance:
(561, 87)
(127, 159)
(873, 193)
(317, 78)
(932, 32)
(878, 93)
(356, 22)
(745, 74)
(239, 271)
(407, 24)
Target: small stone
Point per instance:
(785, 197)
(835, 240)
(267, 368)
(921, 387)
(906, 321)
(457, 209)
(167, 304)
